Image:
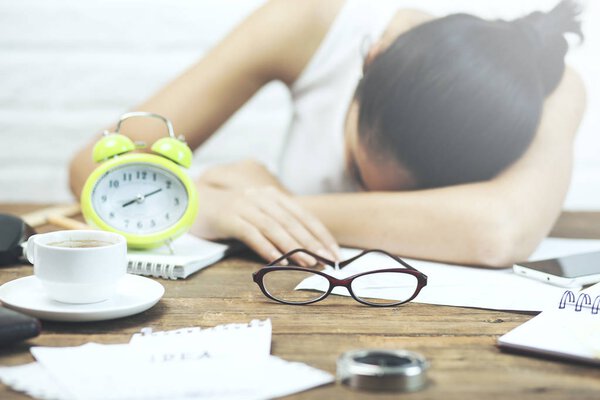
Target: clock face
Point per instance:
(139, 198)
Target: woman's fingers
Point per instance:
(254, 238)
(268, 221)
(270, 211)
(316, 235)
(270, 226)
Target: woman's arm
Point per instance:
(274, 43)
(494, 223)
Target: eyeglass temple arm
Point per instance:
(315, 256)
(398, 259)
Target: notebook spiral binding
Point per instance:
(157, 270)
(584, 300)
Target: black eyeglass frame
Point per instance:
(258, 276)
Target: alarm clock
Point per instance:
(148, 198)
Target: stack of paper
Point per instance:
(454, 285)
(226, 362)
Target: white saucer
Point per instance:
(134, 295)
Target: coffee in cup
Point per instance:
(78, 266)
(80, 243)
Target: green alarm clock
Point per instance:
(148, 198)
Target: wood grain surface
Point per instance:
(459, 342)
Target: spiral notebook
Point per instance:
(190, 254)
(568, 330)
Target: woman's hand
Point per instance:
(246, 207)
(245, 174)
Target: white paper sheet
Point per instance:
(557, 247)
(107, 372)
(466, 286)
(227, 362)
(33, 380)
(250, 340)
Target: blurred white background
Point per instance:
(70, 67)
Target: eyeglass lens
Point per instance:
(384, 288)
(284, 284)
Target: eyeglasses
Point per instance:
(286, 283)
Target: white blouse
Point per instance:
(313, 156)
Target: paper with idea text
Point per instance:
(227, 362)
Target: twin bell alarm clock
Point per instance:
(148, 198)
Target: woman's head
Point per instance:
(458, 99)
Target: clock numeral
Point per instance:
(152, 223)
(169, 183)
(126, 223)
(127, 177)
(154, 176)
(167, 216)
(104, 198)
(111, 215)
(140, 225)
(176, 201)
(113, 184)
(141, 175)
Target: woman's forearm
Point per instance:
(492, 224)
(457, 225)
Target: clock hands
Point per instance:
(141, 197)
(152, 193)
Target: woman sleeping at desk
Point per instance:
(447, 139)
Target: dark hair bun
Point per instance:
(546, 33)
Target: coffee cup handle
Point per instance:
(29, 250)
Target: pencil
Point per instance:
(66, 222)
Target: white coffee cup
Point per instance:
(78, 266)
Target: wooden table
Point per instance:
(459, 342)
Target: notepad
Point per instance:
(570, 329)
(251, 340)
(227, 362)
(190, 254)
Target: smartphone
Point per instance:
(568, 271)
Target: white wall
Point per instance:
(70, 67)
